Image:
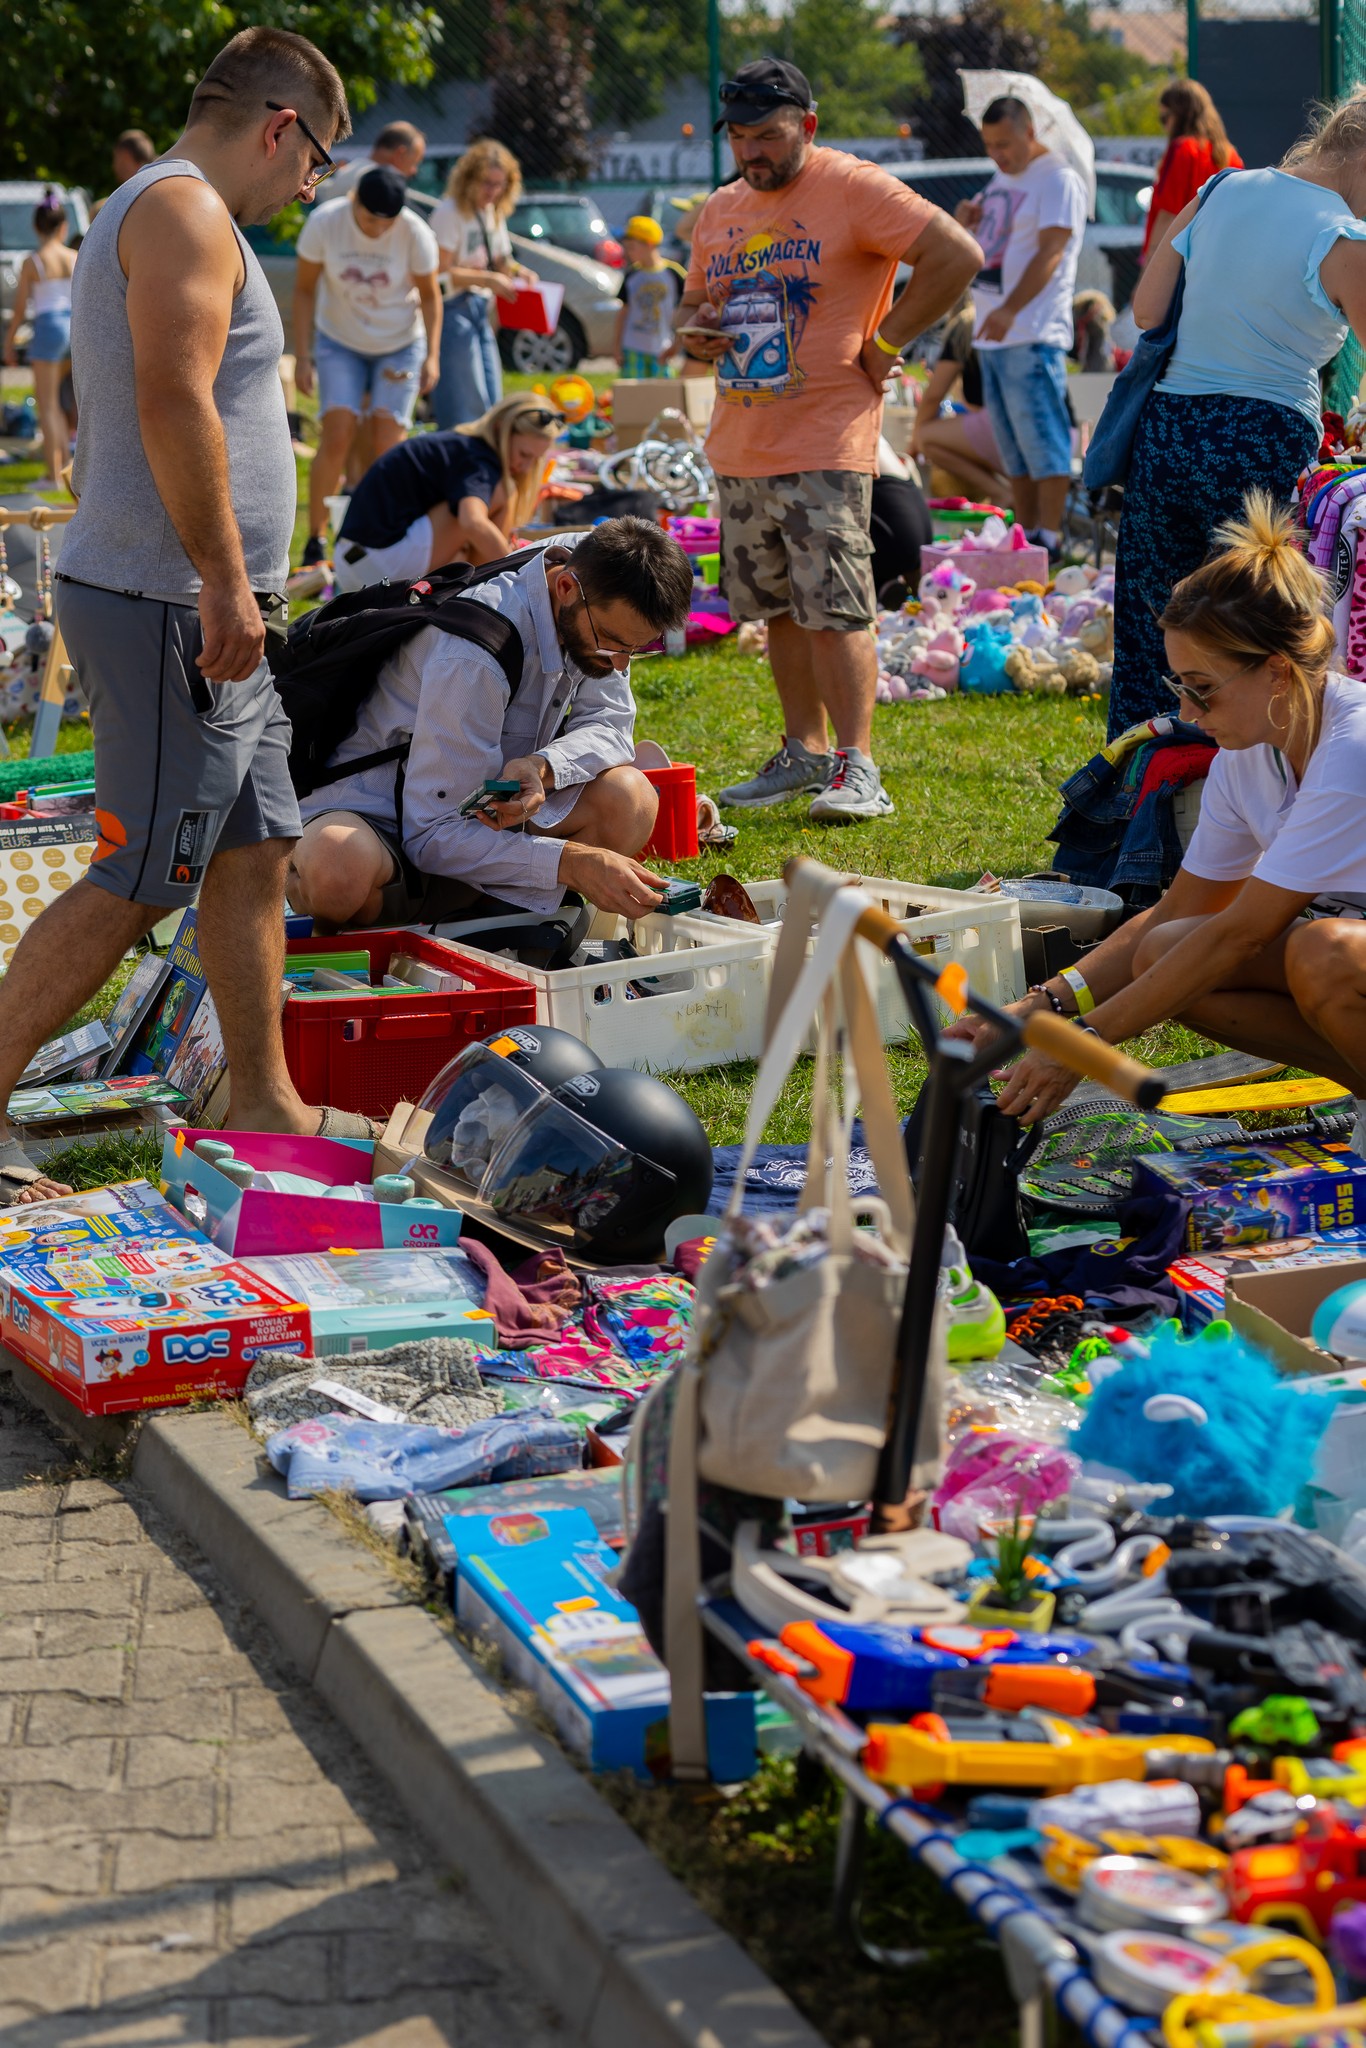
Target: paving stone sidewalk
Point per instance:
(191, 1850)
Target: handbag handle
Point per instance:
(799, 985)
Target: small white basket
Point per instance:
(981, 933)
(710, 987)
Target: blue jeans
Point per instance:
(471, 369)
(1025, 389)
(346, 378)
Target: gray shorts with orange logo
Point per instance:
(799, 544)
(173, 785)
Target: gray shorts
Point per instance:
(173, 786)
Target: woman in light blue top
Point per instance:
(1275, 265)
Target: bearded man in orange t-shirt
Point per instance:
(789, 294)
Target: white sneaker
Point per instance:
(854, 793)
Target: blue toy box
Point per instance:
(536, 1585)
(1247, 1194)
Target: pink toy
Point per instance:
(944, 592)
(987, 1478)
(940, 660)
(988, 600)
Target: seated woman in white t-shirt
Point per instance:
(1260, 942)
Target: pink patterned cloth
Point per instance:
(1355, 658)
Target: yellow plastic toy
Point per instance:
(916, 1756)
(1299, 1777)
(1240, 2019)
(574, 396)
(1065, 1855)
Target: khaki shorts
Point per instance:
(799, 544)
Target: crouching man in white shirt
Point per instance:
(389, 845)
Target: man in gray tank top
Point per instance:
(177, 552)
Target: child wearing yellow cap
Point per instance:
(650, 293)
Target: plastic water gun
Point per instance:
(930, 1752)
(873, 1667)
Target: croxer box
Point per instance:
(766, 287)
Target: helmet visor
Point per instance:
(470, 1107)
(568, 1181)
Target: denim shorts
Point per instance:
(1025, 388)
(50, 341)
(346, 378)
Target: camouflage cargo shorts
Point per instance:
(799, 544)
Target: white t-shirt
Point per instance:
(1046, 194)
(1257, 821)
(368, 300)
(475, 237)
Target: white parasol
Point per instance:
(1056, 126)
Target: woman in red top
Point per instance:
(1197, 147)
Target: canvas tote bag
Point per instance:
(784, 1390)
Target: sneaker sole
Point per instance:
(764, 803)
(851, 817)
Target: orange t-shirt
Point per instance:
(802, 276)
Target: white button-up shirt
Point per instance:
(453, 698)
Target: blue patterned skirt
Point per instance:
(1194, 460)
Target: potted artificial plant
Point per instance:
(1009, 1598)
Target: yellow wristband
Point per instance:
(889, 348)
(1077, 983)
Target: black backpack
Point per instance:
(330, 660)
(993, 1148)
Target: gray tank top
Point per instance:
(121, 537)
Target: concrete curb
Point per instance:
(621, 1949)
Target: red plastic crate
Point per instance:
(378, 1049)
(675, 833)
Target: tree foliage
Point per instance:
(541, 59)
(82, 70)
(1109, 88)
(865, 84)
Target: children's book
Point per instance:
(83, 1101)
(76, 1056)
(130, 1012)
(169, 1021)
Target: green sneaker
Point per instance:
(976, 1323)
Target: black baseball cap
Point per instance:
(382, 191)
(758, 88)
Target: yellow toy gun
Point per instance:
(924, 1753)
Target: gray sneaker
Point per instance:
(792, 771)
(853, 794)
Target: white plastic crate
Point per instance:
(981, 933)
(711, 986)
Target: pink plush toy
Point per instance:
(944, 592)
(940, 660)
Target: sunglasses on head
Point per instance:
(763, 95)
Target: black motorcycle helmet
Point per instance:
(602, 1166)
(479, 1095)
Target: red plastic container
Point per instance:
(675, 833)
(378, 1049)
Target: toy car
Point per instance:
(1301, 1884)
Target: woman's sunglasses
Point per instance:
(539, 417)
(1201, 694)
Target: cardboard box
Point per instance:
(538, 1589)
(364, 1300)
(1250, 1194)
(1202, 1280)
(1274, 1310)
(99, 1216)
(636, 401)
(112, 1352)
(989, 568)
(254, 1222)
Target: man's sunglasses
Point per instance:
(317, 173)
(761, 95)
(1202, 694)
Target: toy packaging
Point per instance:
(1201, 1283)
(145, 1340)
(361, 1301)
(252, 1221)
(436, 1522)
(1249, 1194)
(539, 1590)
(127, 1209)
